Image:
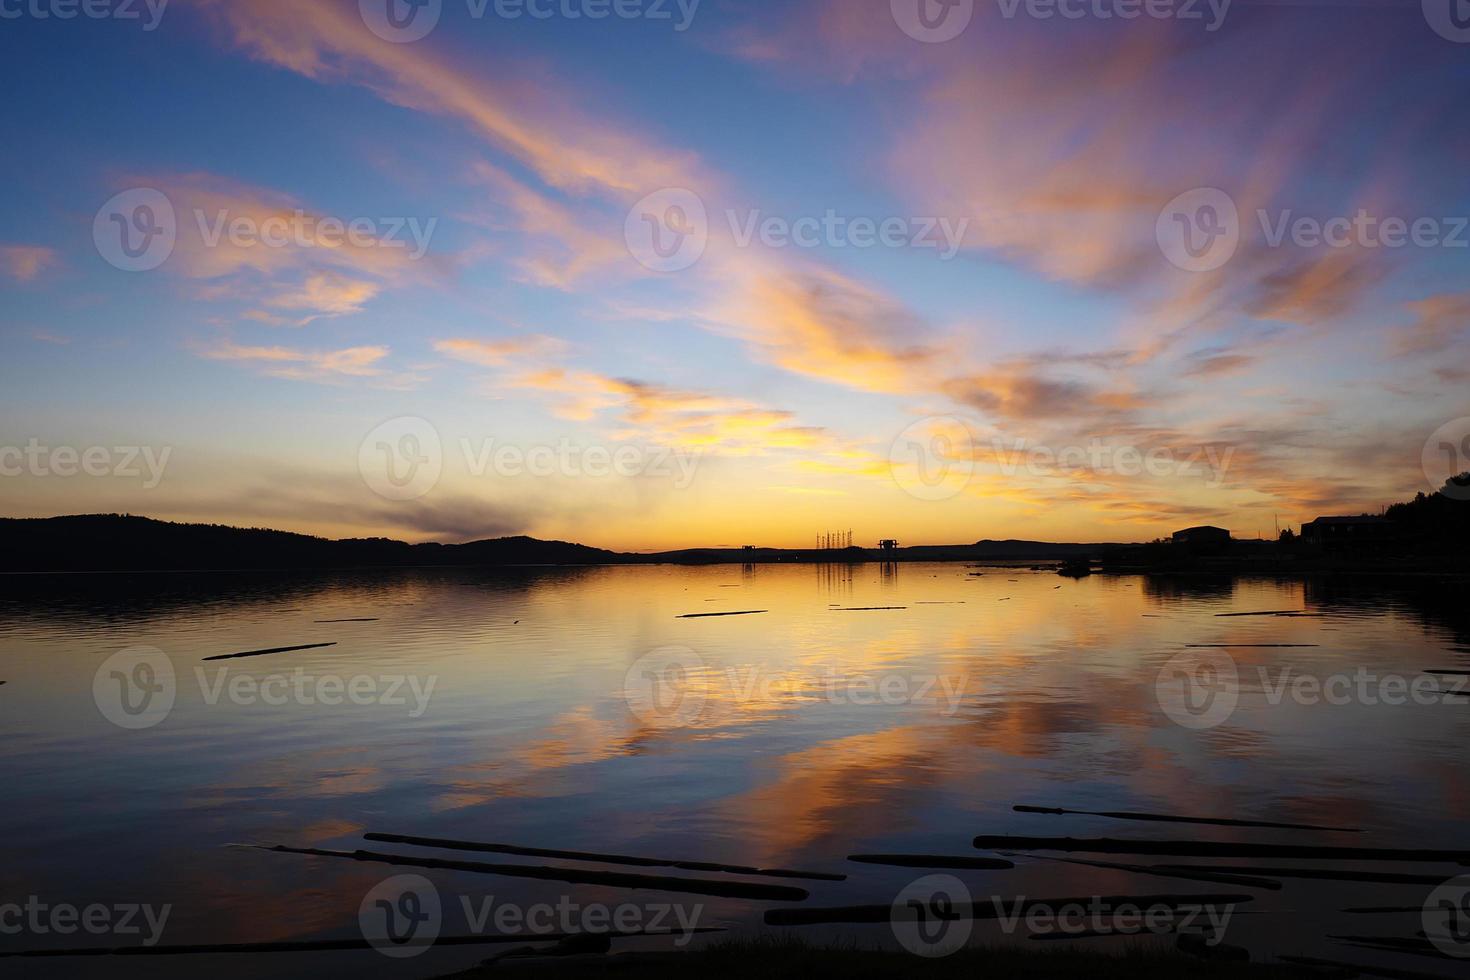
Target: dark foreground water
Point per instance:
(573, 709)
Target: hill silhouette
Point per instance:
(105, 542)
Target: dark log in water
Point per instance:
(637, 862)
(997, 908)
(1450, 673)
(614, 879)
(869, 608)
(1223, 877)
(1392, 973)
(1109, 845)
(962, 862)
(744, 612)
(346, 620)
(1250, 646)
(1268, 612)
(262, 653)
(329, 945)
(1325, 874)
(1169, 818)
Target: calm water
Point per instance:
(803, 734)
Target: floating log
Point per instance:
(1268, 612)
(868, 608)
(614, 879)
(744, 612)
(1250, 646)
(262, 653)
(328, 945)
(1326, 874)
(1169, 818)
(1450, 673)
(637, 862)
(1224, 877)
(1392, 973)
(994, 909)
(1108, 845)
(347, 620)
(962, 862)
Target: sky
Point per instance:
(648, 274)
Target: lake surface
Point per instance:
(574, 709)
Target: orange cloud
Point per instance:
(24, 263)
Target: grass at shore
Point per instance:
(793, 959)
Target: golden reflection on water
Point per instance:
(1003, 686)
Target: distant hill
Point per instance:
(105, 542)
(116, 542)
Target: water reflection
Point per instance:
(821, 731)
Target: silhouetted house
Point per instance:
(1203, 540)
(1336, 533)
